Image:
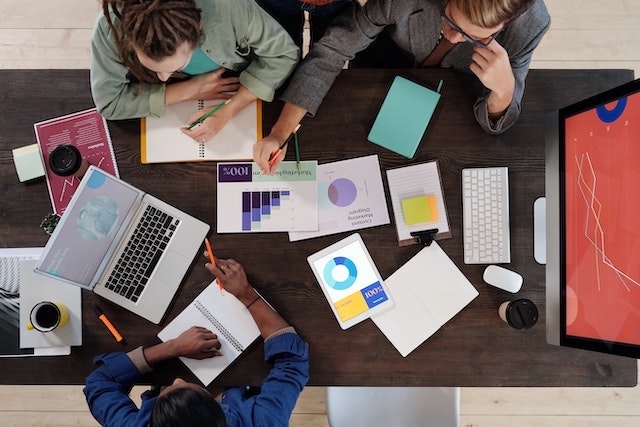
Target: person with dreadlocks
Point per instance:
(147, 54)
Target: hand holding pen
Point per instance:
(196, 130)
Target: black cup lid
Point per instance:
(522, 314)
(65, 160)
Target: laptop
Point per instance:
(123, 244)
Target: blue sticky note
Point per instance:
(404, 117)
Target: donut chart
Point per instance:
(609, 116)
(340, 273)
(342, 192)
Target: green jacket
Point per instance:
(238, 35)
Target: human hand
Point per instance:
(263, 151)
(209, 127)
(212, 85)
(232, 276)
(492, 66)
(197, 343)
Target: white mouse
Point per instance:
(502, 278)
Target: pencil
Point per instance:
(209, 114)
(275, 155)
(212, 259)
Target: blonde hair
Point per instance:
(491, 13)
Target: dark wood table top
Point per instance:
(474, 349)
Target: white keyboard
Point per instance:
(485, 220)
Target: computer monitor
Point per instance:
(593, 223)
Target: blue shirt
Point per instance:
(108, 386)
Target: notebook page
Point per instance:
(163, 141)
(411, 181)
(427, 291)
(224, 309)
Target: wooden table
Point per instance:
(474, 349)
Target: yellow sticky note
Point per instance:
(419, 209)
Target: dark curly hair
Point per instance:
(156, 27)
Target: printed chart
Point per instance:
(249, 201)
(350, 197)
(602, 214)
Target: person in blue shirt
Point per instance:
(187, 404)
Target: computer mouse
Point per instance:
(502, 278)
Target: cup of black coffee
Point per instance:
(66, 160)
(520, 314)
(47, 316)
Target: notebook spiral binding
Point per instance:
(201, 152)
(216, 323)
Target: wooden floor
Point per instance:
(584, 34)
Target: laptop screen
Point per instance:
(88, 227)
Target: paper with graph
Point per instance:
(250, 201)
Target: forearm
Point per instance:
(267, 319)
(160, 352)
(498, 102)
(289, 118)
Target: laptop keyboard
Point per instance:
(142, 253)
(485, 221)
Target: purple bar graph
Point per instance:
(246, 211)
(259, 205)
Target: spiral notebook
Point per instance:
(224, 315)
(162, 141)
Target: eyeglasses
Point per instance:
(484, 42)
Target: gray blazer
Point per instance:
(414, 25)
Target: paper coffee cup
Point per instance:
(66, 160)
(520, 314)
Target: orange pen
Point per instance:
(275, 155)
(108, 324)
(212, 260)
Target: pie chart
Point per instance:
(342, 192)
(340, 273)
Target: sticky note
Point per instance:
(28, 162)
(419, 209)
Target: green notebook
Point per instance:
(404, 116)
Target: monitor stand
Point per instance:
(540, 230)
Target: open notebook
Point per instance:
(428, 291)
(224, 315)
(162, 141)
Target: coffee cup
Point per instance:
(520, 314)
(47, 316)
(66, 160)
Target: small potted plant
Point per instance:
(49, 223)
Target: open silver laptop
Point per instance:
(125, 245)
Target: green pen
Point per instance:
(209, 114)
(295, 142)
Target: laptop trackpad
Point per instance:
(171, 269)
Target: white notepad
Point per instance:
(162, 141)
(224, 315)
(427, 291)
(411, 181)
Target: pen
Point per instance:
(275, 155)
(209, 114)
(212, 260)
(108, 324)
(295, 142)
